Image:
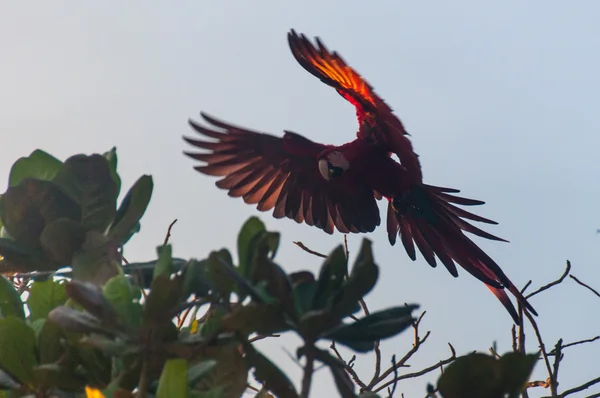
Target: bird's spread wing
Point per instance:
(282, 174)
(374, 115)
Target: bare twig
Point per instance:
(553, 387)
(421, 372)
(553, 352)
(169, 232)
(392, 390)
(557, 358)
(306, 249)
(585, 285)
(553, 283)
(261, 337)
(402, 362)
(348, 367)
(309, 368)
(582, 387)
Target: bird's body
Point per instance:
(337, 187)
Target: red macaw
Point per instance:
(330, 186)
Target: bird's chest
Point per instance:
(381, 172)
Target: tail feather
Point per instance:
(425, 216)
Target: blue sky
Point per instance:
(501, 100)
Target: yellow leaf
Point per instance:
(93, 393)
(194, 327)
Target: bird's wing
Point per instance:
(282, 174)
(374, 115)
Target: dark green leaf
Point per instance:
(91, 298)
(194, 278)
(10, 300)
(304, 294)
(17, 349)
(124, 298)
(269, 374)
(20, 258)
(51, 375)
(516, 370)
(163, 265)
(331, 277)
(62, 238)
(360, 282)
(362, 334)
(217, 392)
(256, 317)
(111, 156)
(26, 209)
(344, 385)
(44, 297)
(88, 181)
(48, 342)
(39, 165)
(472, 376)
(252, 227)
(109, 346)
(199, 370)
(98, 260)
(165, 296)
(132, 208)
(230, 373)
(72, 320)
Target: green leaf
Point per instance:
(516, 370)
(194, 278)
(20, 258)
(199, 370)
(165, 257)
(10, 300)
(48, 342)
(269, 374)
(304, 294)
(256, 317)
(132, 208)
(230, 373)
(92, 299)
(111, 156)
(88, 181)
(165, 297)
(475, 375)
(39, 165)
(72, 320)
(62, 238)
(26, 209)
(98, 260)
(17, 349)
(123, 297)
(44, 297)
(362, 334)
(52, 375)
(252, 227)
(342, 380)
(217, 392)
(331, 277)
(173, 379)
(360, 282)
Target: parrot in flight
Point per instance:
(337, 187)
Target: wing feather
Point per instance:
(281, 174)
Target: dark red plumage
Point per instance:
(338, 186)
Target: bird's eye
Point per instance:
(334, 171)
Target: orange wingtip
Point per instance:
(330, 68)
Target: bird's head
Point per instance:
(333, 165)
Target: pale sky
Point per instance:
(501, 101)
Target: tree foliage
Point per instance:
(77, 320)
